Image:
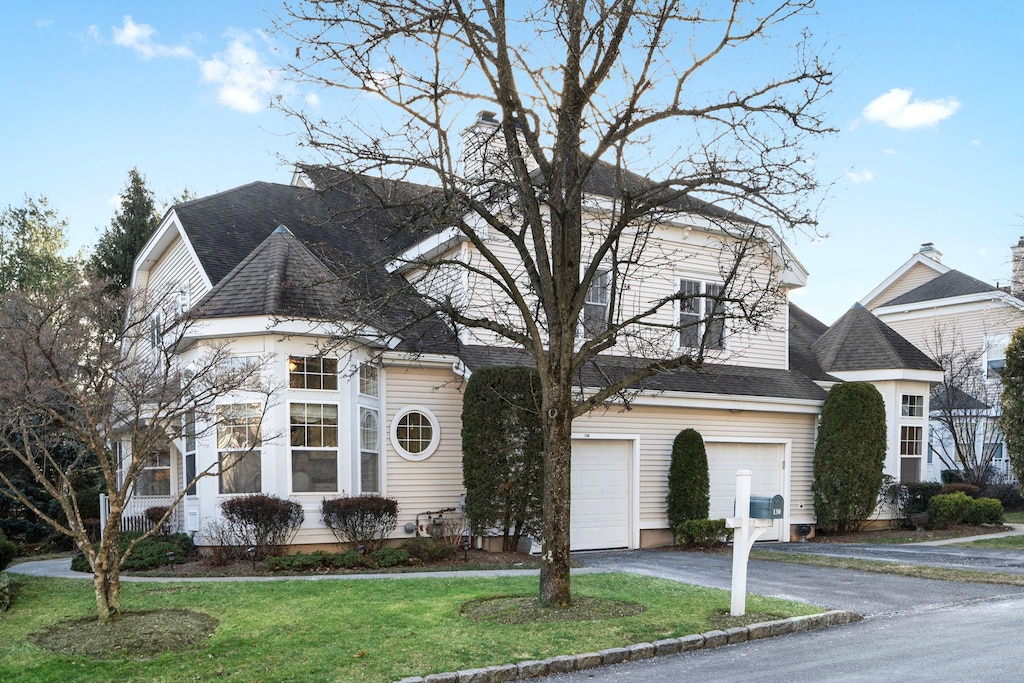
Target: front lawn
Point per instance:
(1014, 517)
(366, 630)
(1006, 543)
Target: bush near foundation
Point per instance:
(427, 549)
(947, 509)
(365, 521)
(264, 522)
(148, 554)
(688, 480)
(8, 551)
(984, 511)
(703, 533)
(970, 489)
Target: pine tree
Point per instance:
(129, 229)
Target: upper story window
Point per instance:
(995, 355)
(701, 316)
(595, 307)
(912, 406)
(306, 372)
(369, 380)
(156, 334)
(239, 372)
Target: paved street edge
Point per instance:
(632, 653)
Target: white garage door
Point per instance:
(766, 461)
(601, 482)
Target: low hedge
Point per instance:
(350, 559)
(149, 554)
(704, 533)
(428, 549)
(947, 509)
(5, 592)
(970, 489)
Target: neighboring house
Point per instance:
(965, 324)
(261, 268)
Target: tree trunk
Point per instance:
(554, 572)
(106, 571)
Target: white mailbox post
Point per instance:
(747, 530)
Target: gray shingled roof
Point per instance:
(949, 284)
(804, 330)
(860, 341)
(730, 380)
(344, 233)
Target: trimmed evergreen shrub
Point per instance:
(920, 493)
(148, 554)
(688, 482)
(984, 511)
(365, 521)
(970, 489)
(703, 533)
(262, 521)
(5, 592)
(849, 456)
(1011, 422)
(1007, 494)
(8, 551)
(951, 477)
(427, 549)
(390, 557)
(503, 452)
(155, 514)
(947, 509)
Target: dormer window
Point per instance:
(701, 315)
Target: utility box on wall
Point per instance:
(763, 507)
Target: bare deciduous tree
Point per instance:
(563, 244)
(964, 407)
(67, 378)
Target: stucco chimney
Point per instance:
(928, 249)
(1017, 281)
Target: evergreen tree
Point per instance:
(129, 229)
(503, 452)
(849, 456)
(1012, 419)
(688, 479)
(31, 240)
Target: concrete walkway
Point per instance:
(1016, 530)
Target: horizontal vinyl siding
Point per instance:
(931, 329)
(657, 427)
(175, 268)
(434, 483)
(912, 279)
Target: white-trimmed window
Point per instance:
(369, 450)
(415, 433)
(369, 380)
(181, 297)
(911, 448)
(239, 372)
(312, 372)
(314, 447)
(995, 355)
(156, 335)
(912, 405)
(188, 439)
(700, 315)
(595, 307)
(155, 478)
(238, 448)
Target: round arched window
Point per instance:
(415, 433)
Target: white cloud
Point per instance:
(888, 151)
(313, 100)
(139, 37)
(895, 110)
(864, 176)
(244, 82)
(976, 142)
(44, 23)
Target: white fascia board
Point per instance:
(915, 259)
(248, 326)
(889, 375)
(162, 238)
(423, 360)
(300, 179)
(428, 249)
(967, 303)
(770, 404)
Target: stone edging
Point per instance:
(617, 655)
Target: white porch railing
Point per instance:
(133, 517)
(1003, 472)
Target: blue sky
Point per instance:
(927, 100)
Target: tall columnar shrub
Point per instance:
(365, 521)
(265, 522)
(849, 456)
(1012, 418)
(688, 482)
(503, 452)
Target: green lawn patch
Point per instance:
(1014, 517)
(1007, 543)
(367, 630)
(917, 571)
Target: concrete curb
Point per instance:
(632, 653)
